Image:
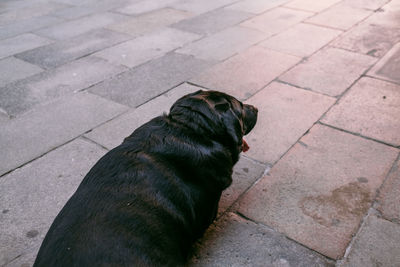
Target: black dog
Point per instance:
(146, 201)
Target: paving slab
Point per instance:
(371, 108)
(139, 85)
(368, 38)
(32, 196)
(330, 71)
(366, 4)
(199, 7)
(112, 133)
(234, 241)
(296, 40)
(144, 6)
(388, 68)
(375, 245)
(61, 52)
(21, 96)
(213, 21)
(147, 47)
(215, 48)
(36, 10)
(255, 6)
(150, 21)
(247, 72)
(318, 193)
(389, 195)
(276, 20)
(285, 113)
(21, 43)
(69, 117)
(388, 15)
(8, 67)
(76, 27)
(27, 25)
(310, 5)
(340, 16)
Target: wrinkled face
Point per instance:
(238, 119)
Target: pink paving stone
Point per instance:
(246, 73)
(340, 16)
(256, 6)
(366, 4)
(312, 5)
(371, 108)
(296, 40)
(318, 193)
(389, 195)
(276, 20)
(330, 71)
(285, 113)
(388, 15)
(388, 68)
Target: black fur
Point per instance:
(146, 201)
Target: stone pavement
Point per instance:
(320, 185)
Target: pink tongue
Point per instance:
(245, 146)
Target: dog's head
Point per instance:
(217, 115)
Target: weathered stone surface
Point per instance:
(246, 73)
(213, 21)
(112, 133)
(389, 195)
(296, 40)
(318, 193)
(375, 245)
(340, 16)
(371, 108)
(8, 67)
(147, 47)
(16, 98)
(234, 241)
(145, 82)
(31, 197)
(214, 47)
(285, 113)
(311, 5)
(388, 68)
(199, 7)
(76, 27)
(21, 43)
(368, 38)
(61, 52)
(144, 6)
(150, 21)
(330, 71)
(255, 6)
(366, 4)
(49, 126)
(27, 25)
(276, 20)
(387, 16)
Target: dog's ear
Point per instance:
(222, 107)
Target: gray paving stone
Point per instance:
(18, 97)
(203, 6)
(112, 133)
(147, 47)
(388, 68)
(256, 6)
(48, 126)
(20, 43)
(234, 241)
(150, 21)
(213, 21)
(144, 6)
(27, 25)
(214, 47)
(368, 38)
(377, 244)
(36, 10)
(31, 197)
(13, 69)
(61, 52)
(137, 86)
(76, 27)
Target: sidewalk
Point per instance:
(320, 185)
